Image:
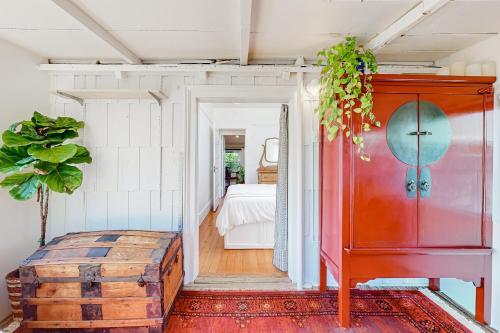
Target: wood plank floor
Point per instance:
(215, 261)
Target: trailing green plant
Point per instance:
(346, 91)
(36, 160)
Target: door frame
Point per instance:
(195, 95)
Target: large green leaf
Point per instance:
(44, 168)
(25, 190)
(41, 120)
(12, 139)
(28, 130)
(7, 163)
(14, 158)
(55, 154)
(16, 179)
(69, 123)
(61, 137)
(64, 179)
(82, 156)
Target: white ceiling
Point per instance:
(210, 29)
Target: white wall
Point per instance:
(135, 180)
(485, 51)
(259, 124)
(205, 164)
(23, 89)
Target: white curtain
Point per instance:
(280, 257)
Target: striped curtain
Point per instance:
(280, 256)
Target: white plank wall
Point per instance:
(135, 180)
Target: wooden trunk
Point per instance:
(104, 281)
(421, 208)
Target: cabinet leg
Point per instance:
(483, 301)
(434, 284)
(344, 303)
(322, 275)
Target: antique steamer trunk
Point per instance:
(104, 281)
(421, 208)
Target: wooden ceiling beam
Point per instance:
(246, 23)
(91, 25)
(405, 23)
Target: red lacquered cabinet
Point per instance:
(421, 208)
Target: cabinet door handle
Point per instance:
(420, 133)
(425, 182)
(411, 186)
(411, 183)
(425, 185)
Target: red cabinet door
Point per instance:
(383, 213)
(450, 214)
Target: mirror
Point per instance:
(271, 150)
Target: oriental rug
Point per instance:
(404, 311)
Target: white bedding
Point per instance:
(247, 203)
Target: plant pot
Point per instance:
(14, 290)
(361, 66)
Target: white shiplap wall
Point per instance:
(135, 180)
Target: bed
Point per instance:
(246, 219)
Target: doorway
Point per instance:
(240, 245)
(197, 95)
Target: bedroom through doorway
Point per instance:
(238, 145)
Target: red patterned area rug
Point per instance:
(405, 311)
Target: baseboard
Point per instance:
(204, 212)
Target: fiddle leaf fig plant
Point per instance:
(36, 160)
(346, 91)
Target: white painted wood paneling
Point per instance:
(178, 119)
(105, 82)
(119, 124)
(75, 212)
(167, 118)
(155, 125)
(96, 124)
(161, 212)
(150, 173)
(171, 176)
(89, 182)
(57, 215)
(140, 125)
(96, 211)
(140, 210)
(128, 169)
(118, 211)
(107, 175)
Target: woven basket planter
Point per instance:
(14, 289)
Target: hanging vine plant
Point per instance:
(346, 91)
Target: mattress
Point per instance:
(245, 204)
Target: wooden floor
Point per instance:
(215, 261)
